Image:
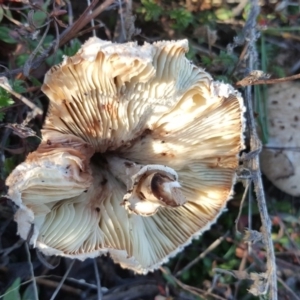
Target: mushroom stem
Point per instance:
(123, 169)
(148, 187)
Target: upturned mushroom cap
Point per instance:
(166, 139)
(280, 157)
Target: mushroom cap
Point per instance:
(280, 157)
(166, 139)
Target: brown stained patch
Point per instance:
(296, 118)
(96, 128)
(104, 181)
(111, 109)
(156, 187)
(142, 196)
(168, 154)
(98, 193)
(128, 164)
(218, 160)
(146, 132)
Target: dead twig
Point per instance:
(193, 290)
(62, 281)
(35, 290)
(289, 290)
(214, 245)
(67, 35)
(249, 80)
(253, 162)
(6, 86)
(99, 291)
(53, 284)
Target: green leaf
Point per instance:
(55, 58)
(13, 291)
(35, 82)
(39, 18)
(5, 35)
(223, 14)
(168, 277)
(9, 165)
(150, 9)
(206, 61)
(21, 59)
(181, 17)
(73, 48)
(18, 87)
(1, 13)
(29, 293)
(5, 100)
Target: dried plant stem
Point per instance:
(62, 281)
(5, 85)
(289, 290)
(214, 245)
(67, 35)
(99, 292)
(92, 21)
(253, 162)
(247, 81)
(193, 290)
(35, 290)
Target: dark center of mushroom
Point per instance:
(148, 186)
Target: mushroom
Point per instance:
(280, 157)
(138, 156)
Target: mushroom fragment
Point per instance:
(280, 157)
(151, 143)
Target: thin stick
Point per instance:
(92, 21)
(35, 290)
(99, 291)
(62, 281)
(288, 289)
(67, 35)
(249, 81)
(250, 216)
(5, 85)
(214, 245)
(193, 290)
(241, 206)
(253, 163)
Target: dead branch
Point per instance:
(67, 35)
(252, 163)
(249, 80)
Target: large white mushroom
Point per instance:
(138, 156)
